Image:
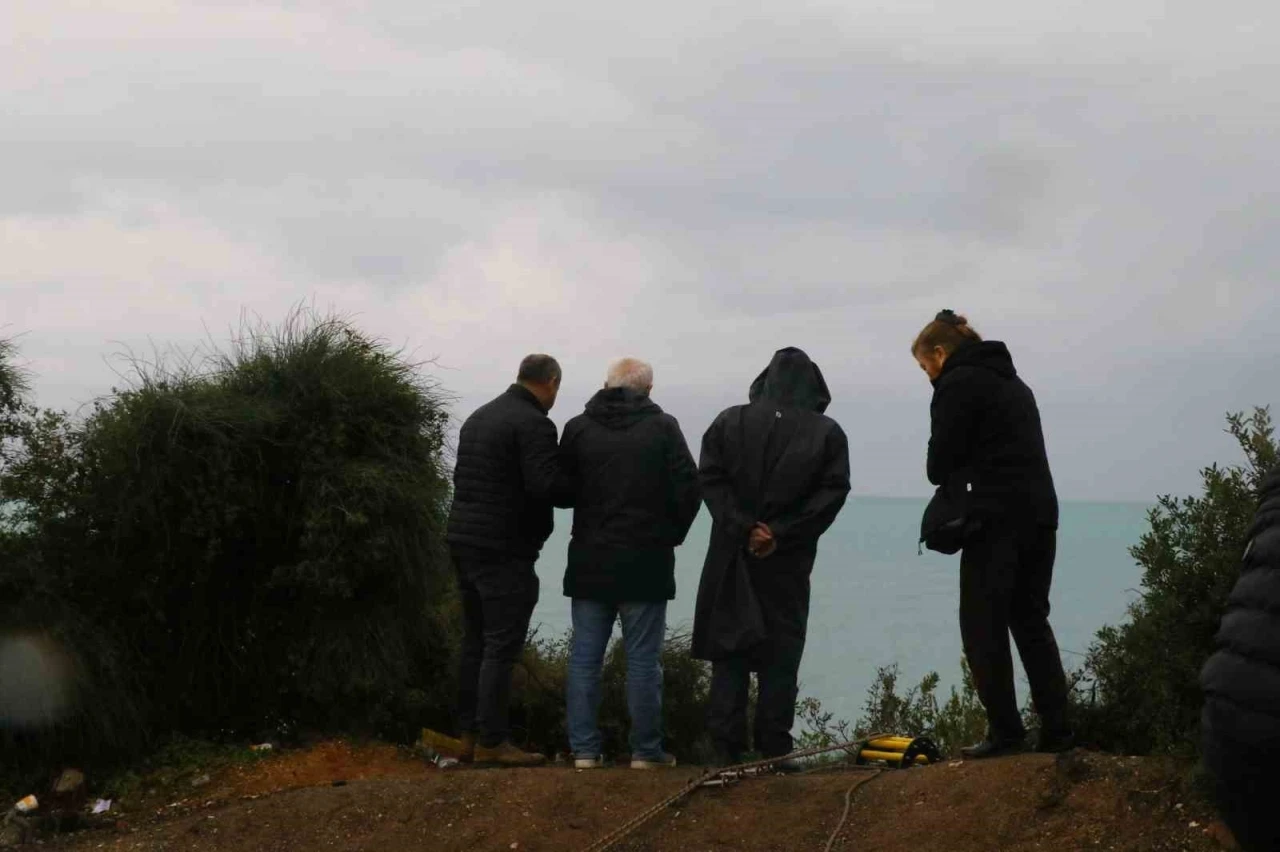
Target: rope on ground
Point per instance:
(618, 834)
(848, 806)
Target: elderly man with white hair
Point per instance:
(636, 497)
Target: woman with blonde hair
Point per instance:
(987, 457)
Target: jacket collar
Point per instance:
(522, 393)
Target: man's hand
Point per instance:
(761, 543)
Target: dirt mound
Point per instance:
(1023, 803)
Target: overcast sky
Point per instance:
(697, 184)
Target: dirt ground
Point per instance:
(387, 799)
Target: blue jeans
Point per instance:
(643, 629)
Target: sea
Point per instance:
(877, 601)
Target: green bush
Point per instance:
(538, 698)
(246, 544)
(1140, 692)
(957, 722)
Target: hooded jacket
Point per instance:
(636, 495)
(507, 479)
(986, 432)
(781, 461)
(1241, 681)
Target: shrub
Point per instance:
(957, 722)
(538, 698)
(1140, 691)
(249, 541)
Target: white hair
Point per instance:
(630, 373)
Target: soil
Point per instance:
(389, 799)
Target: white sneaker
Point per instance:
(668, 761)
(588, 762)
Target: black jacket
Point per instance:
(507, 478)
(636, 495)
(986, 432)
(1242, 680)
(778, 460)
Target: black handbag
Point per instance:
(947, 520)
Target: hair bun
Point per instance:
(950, 317)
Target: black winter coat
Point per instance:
(778, 460)
(636, 497)
(1241, 680)
(507, 478)
(986, 432)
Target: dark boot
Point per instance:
(507, 754)
(787, 767)
(1055, 741)
(995, 747)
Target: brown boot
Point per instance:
(508, 755)
(467, 753)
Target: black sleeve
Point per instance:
(544, 478)
(954, 414)
(569, 461)
(686, 495)
(717, 484)
(809, 519)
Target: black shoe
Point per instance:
(1055, 742)
(786, 767)
(994, 747)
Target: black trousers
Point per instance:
(1242, 788)
(498, 597)
(1005, 573)
(784, 599)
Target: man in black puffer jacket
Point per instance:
(507, 481)
(637, 495)
(1241, 720)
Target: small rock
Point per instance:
(200, 781)
(1194, 825)
(515, 845)
(71, 781)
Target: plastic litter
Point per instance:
(28, 805)
(101, 806)
(261, 747)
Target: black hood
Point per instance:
(621, 408)
(792, 381)
(989, 354)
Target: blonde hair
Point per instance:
(948, 330)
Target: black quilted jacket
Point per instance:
(507, 478)
(1242, 680)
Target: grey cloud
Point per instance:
(703, 182)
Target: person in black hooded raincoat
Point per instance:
(775, 474)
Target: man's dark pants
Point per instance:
(498, 596)
(1242, 780)
(784, 599)
(1005, 574)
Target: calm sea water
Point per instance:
(875, 601)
